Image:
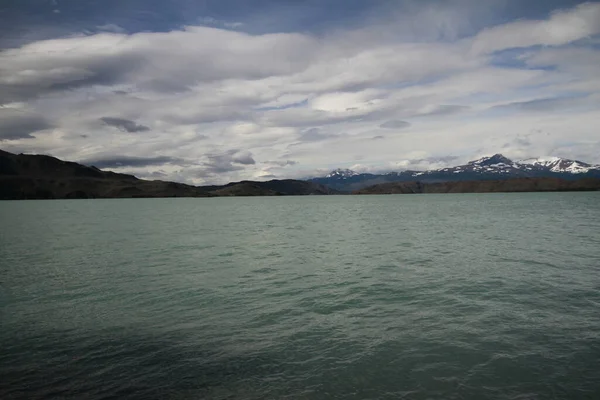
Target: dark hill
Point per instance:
(43, 177)
(486, 186)
(42, 166)
(286, 187)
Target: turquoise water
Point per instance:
(490, 296)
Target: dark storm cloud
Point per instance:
(166, 85)
(16, 125)
(219, 168)
(126, 125)
(243, 158)
(125, 161)
(232, 160)
(395, 124)
(54, 71)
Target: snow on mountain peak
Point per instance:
(544, 161)
(341, 173)
(493, 160)
(496, 164)
(557, 164)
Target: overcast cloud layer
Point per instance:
(218, 98)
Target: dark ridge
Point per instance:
(286, 187)
(487, 186)
(44, 177)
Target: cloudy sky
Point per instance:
(204, 91)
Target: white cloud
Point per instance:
(564, 26)
(343, 101)
(218, 105)
(110, 28)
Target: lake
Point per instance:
(471, 296)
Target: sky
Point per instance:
(207, 92)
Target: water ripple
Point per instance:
(454, 297)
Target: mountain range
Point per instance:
(496, 167)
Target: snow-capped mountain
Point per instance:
(496, 164)
(486, 168)
(341, 173)
(556, 164)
